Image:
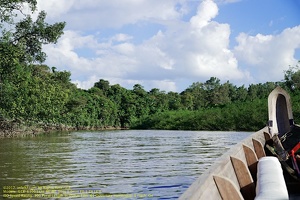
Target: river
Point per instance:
(130, 164)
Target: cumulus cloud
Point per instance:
(180, 51)
(158, 44)
(206, 12)
(191, 50)
(55, 8)
(93, 14)
(268, 55)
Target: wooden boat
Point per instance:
(263, 166)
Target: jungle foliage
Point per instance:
(33, 93)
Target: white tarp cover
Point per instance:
(270, 180)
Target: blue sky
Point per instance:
(260, 16)
(169, 44)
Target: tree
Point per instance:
(241, 94)
(253, 92)
(141, 100)
(25, 37)
(158, 101)
(198, 93)
(292, 78)
(139, 90)
(174, 101)
(224, 93)
(9, 9)
(103, 85)
(187, 100)
(28, 91)
(125, 104)
(211, 84)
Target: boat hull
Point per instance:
(205, 187)
(234, 175)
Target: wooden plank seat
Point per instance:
(270, 180)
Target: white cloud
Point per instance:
(121, 37)
(164, 85)
(86, 83)
(110, 60)
(207, 10)
(93, 14)
(268, 55)
(55, 8)
(194, 50)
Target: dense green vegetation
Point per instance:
(35, 94)
(40, 95)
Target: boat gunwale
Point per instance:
(199, 186)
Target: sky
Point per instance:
(170, 44)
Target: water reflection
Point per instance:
(153, 164)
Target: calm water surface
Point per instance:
(127, 164)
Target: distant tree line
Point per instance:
(33, 93)
(36, 94)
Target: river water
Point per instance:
(131, 164)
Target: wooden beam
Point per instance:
(267, 136)
(244, 178)
(259, 149)
(252, 161)
(227, 189)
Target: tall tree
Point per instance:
(21, 41)
(9, 9)
(141, 100)
(212, 88)
(25, 37)
(103, 85)
(198, 93)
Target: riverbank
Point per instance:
(17, 128)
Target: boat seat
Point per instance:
(270, 180)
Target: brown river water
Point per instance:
(130, 164)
